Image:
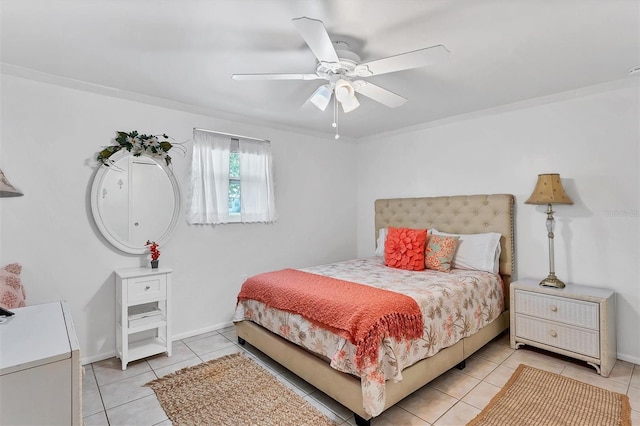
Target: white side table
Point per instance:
(143, 313)
(576, 321)
(40, 370)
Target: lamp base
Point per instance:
(552, 281)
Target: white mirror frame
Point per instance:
(96, 187)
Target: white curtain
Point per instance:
(209, 201)
(256, 182)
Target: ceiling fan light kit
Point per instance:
(340, 66)
(321, 97)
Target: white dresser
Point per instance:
(40, 370)
(576, 321)
(143, 313)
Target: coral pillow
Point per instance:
(404, 248)
(440, 252)
(12, 293)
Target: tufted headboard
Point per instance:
(460, 214)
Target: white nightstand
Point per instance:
(143, 313)
(576, 321)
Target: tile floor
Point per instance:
(115, 397)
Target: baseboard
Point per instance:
(628, 358)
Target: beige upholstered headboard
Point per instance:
(461, 214)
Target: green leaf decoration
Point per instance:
(137, 144)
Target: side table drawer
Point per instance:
(575, 312)
(147, 289)
(579, 340)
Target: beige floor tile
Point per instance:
(91, 402)
(635, 377)
(500, 376)
(627, 363)
(98, 419)
(141, 412)
(634, 398)
(621, 372)
(179, 352)
(593, 378)
(459, 414)
(635, 417)
(230, 334)
(126, 390)
(110, 370)
(163, 371)
(397, 416)
(220, 353)
(538, 360)
(454, 383)
(209, 344)
(496, 351)
(200, 336)
(428, 403)
(479, 367)
(88, 378)
(480, 396)
(164, 423)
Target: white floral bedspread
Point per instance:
(454, 305)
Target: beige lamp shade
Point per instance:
(6, 189)
(549, 190)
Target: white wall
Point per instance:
(50, 136)
(591, 140)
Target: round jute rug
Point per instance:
(232, 390)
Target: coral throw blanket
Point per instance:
(358, 312)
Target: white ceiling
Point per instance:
(502, 51)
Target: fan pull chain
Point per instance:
(335, 116)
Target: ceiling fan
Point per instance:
(343, 69)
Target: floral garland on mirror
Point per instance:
(138, 144)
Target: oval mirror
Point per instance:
(134, 200)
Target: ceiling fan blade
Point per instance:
(403, 61)
(315, 35)
(378, 94)
(275, 77)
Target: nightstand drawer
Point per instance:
(579, 340)
(147, 289)
(568, 311)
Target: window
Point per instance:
(231, 180)
(234, 179)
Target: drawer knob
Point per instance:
(554, 308)
(554, 334)
(147, 288)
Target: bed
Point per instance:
(473, 214)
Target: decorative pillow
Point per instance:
(12, 294)
(404, 248)
(382, 237)
(479, 252)
(440, 252)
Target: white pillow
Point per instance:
(382, 237)
(476, 251)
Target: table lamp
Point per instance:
(549, 191)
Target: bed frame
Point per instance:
(464, 214)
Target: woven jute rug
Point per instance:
(538, 397)
(232, 390)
